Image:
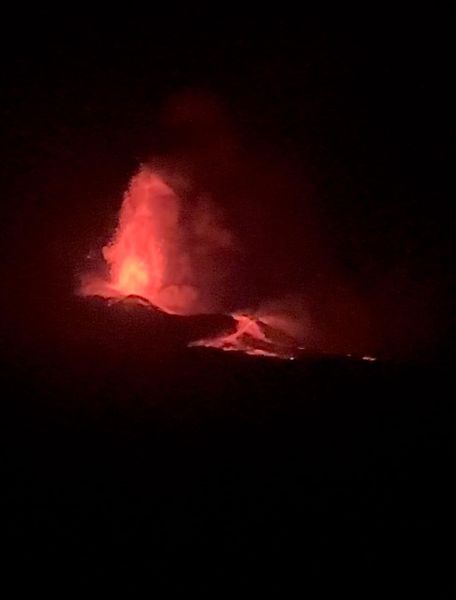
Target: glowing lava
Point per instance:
(145, 257)
(133, 277)
(253, 337)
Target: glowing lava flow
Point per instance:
(250, 337)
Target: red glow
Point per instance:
(144, 257)
(251, 337)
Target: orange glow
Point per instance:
(145, 257)
(133, 277)
(250, 337)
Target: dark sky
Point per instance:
(357, 110)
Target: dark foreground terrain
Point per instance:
(135, 464)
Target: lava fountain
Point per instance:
(144, 257)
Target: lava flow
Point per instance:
(252, 336)
(150, 257)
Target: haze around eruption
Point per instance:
(208, 227)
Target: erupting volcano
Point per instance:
(143, 257)
(158, 253)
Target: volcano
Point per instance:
(155, 263)
(233, 333)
